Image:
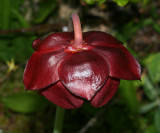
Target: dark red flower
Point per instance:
(68, 69)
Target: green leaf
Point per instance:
(157, 119)
(148, 107)
(154, 68)
(25, 102)
(145, 3)
(135, 1)
(90, 2)
(23, 44)
(16, 4)
(12, 47)
(156, 27)
(121, 2)
(22, 21)
(151, 129)
(46, 8)
(128, 30)
(5, 7)
(149, 88)
(101, 2)
(5, 53)
(128, 93)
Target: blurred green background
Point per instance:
(136, 106)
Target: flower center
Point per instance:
(72, 49)
(77, 44)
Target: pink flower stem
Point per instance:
(78, 39)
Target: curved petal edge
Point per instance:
(41, 70)
(99, 38)
(60, 96)
(122, 63)
(105, 93)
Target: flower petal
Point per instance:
(83, 73)
(122, 64)
(55, 41)
(60, 96)
(105, 93)
(41, 69)
(100, 38)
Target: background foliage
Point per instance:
(136, 106)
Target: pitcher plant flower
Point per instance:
(68, 67)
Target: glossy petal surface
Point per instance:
(100, 38)
(41, 69)
(122, 64)
(60, 96)
(55, 41)
(83, 73)
(106, 93)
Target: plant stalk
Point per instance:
(58, 123)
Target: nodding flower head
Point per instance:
(68, 67)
